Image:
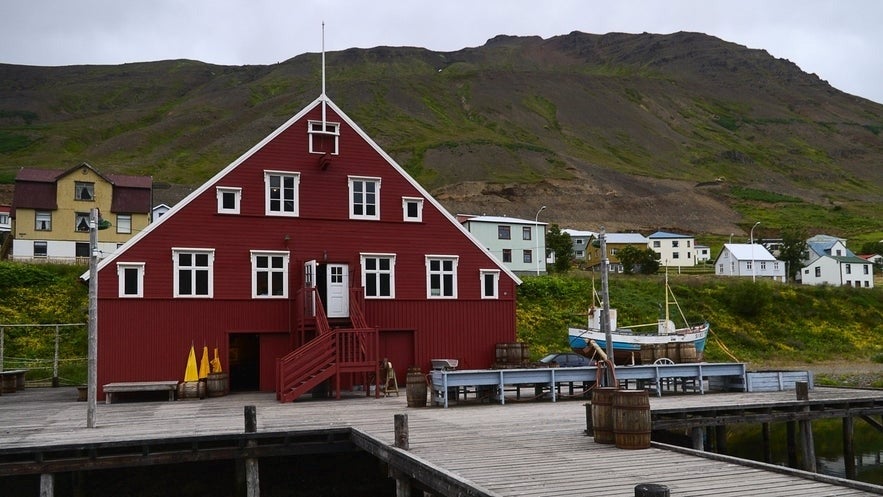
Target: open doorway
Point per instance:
(244, 362)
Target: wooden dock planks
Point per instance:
(522, 448)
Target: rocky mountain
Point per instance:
(683, 132)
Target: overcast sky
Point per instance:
(840, 40)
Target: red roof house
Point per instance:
(304, 262)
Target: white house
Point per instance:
(749, 260)
(520, 244)
(839, 270)
(703, 253)
(674, 250)
(580, 240)
(822, 245)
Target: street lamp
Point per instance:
(536, 225)
(753, 262)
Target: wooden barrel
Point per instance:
(191, 390)
(631, 419)
(8, 384)
(673, 351)
(602, 414)
(502, 356)
(217, 384)
(648, 354)
(660, 350)
(688, 352)
(518, 353)
(416, 388)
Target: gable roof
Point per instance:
(748, 252)
(666, 235)
(501, 220)
(321, 100)
(824, 247)
(35, 188)
(626, 238)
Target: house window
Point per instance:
(364, 198)
(269, 274)
(748, 265)
(527, 256)
(838, 253)
(507, 255)
(412, 209)
(818, 271)
(282, 193)
(490, 283)
(124, 223)
(525, 232)
(579, 241)
(675, 255)
(656, 244)
(40, 249)
(323, 139)
(84, 191)
(848, 268)
(131, 279)
(720, 269)
(43, 221)
(378, 275)
(763, 265)
(776, 266)
(689, 242)
(675, 244)
(504, 232)
(81, 221)
(229, 199)
(580, 253)
(194, 272)
(441, 276)
(865, 267)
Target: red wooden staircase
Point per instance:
(325, 353)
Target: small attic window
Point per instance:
(323, 137)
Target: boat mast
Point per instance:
(666, 301)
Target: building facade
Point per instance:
(674, 250)
(748, 260)
(520, 244)
(51, 212)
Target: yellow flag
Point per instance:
(203, 364)
(190, 374)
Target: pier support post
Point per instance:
(807, 444)
(252, 470)
(720, 439)
(849, 447)
(403, 482)
(47, 485)
(767, 443)
(697, 437)
(791, 439)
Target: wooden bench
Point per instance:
(140, 386)
(12, 380)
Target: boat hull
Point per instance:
(627, 346)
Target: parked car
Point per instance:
(566, 360)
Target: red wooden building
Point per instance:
(307, 260)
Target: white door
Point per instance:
(338, 291)
(310, 282)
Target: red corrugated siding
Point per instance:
(149, 338)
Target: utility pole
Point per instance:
(605, 306)
(93, 319)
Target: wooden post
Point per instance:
(403, 483)
(848, 447)
(252, 470)
(767, 443)
(802, 389)
(807, 444)
(47, 485)
(55, 360)
(590, 430)
(791, 429)
(710, 439)
(697, 436)
(720, 439)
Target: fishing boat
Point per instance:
(642, 344)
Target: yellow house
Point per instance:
(50, 212)
(615, 242)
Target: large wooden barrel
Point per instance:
(602, 414)
(648, 354)
(518, 353)
(217, 384)
(502, 356)
(191, 390)
(416, 388)
(631, 419)
(688, 352)
(673, 351)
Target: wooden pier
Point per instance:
(527, 448)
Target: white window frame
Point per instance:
(441, 273)
(331, 129)
(176, 252)
(121, 276)
(47, 215)
(490, 273)
(406, 201)
(124, 224)
(237, 199)
(44, 244)
(376, 273)
(527, 256)
(364, 180)
(295, 210)
(88, 187)
(79, 217)
(270, 271)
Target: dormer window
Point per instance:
(323, 137)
